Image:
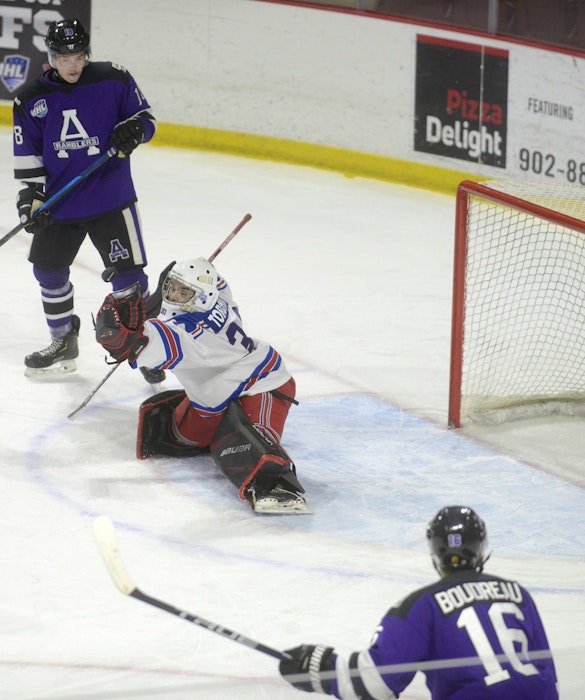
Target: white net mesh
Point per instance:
(523, 326)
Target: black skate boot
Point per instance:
(58, 357)
(153, 376)
(276, 497)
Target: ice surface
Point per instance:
(351, 280)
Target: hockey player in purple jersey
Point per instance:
(63, 121)
(474, 635)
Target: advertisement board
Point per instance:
(547, 116)
(461, 100)
(427, 96)
(23, 26)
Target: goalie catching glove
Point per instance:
(306, 669)
(119, 327)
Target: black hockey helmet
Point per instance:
(457, 539)
(67, 36)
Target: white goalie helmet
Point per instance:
(190, 287)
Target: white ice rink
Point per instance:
(351, 280)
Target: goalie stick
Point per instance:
(109, 274)
(229, 237)
(94, 391)
(105, 536)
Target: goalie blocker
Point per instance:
(259, 467)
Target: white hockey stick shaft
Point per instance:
(107, 542)
(109, 274)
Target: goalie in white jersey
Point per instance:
(236, 389)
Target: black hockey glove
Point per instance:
(119, 327)
(127, 135)
(28, 201)
(309, 661)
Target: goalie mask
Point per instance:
(66, 37)
(190, 287)
(457, 539)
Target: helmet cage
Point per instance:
(190, 287)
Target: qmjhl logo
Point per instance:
(14, 71)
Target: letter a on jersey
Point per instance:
(74, 136)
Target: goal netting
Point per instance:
(518, 319)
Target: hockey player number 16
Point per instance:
(506, 638)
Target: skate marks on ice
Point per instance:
(371, 474)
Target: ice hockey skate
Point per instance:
(153, 376)
(57, 358)
(281, 499)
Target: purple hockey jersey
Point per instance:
(485, 621)
(61, 128)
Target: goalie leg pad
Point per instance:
(155, 434)
(245, 453)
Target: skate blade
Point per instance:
(272, 507)
(53, 371)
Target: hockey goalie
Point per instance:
(236, 390)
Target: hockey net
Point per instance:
(518, 317)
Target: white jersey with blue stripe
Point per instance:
(211, 356)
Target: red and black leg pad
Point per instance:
(155, 435)
(245, 453)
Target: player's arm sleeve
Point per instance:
(387, 667)
(163, 349)
(540, 641)
(139, 108)
(27, 147)
(357, 678)
(132, 103)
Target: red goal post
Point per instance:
(518, 310)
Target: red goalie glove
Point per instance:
(119, 327)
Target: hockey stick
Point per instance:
(105, 537)
(109, 274)
(94, 391)
(62, 192)
(228, 238)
